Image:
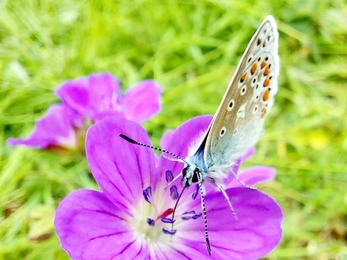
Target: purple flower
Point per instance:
(131, 218)
(93, 97)
(99, 95)
(57, 128)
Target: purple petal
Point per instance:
(55, 128)
(254, 175)
(75, 93)
(93, 95)
(142, 101)
(89, 226)
(98, 116)
(122, 169)
(256, 232)
(166, 138)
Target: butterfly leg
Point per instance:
(228, 200)
(242, 183)
(171, 182)
(221, 189)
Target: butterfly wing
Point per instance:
(238, 123)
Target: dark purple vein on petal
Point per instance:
(109, 235)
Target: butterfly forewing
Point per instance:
(238, 123)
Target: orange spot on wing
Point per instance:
(254, 68)
(243, 77)
(266, 71)
(263, 112)
(263, 64)
(266, 94)
(266, 82)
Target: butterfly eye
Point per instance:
(196, 175)
(184, 172)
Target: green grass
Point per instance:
(191, 48)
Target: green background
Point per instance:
(191, 48)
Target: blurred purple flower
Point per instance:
(130, 218)
(93, 97)
(57, 128)
(99, 95)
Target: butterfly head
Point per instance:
(191, 174)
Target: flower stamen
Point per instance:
(169, 232)
(151, 222)
(173, 192)
(147, 194)
(167, 220)
(190, 215)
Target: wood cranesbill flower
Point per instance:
(57, 128)
(99, 95)
(132, 216)
(93, 97)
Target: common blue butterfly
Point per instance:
(239, 120)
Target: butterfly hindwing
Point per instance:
(238, 123)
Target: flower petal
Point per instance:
(142, 101)
(93, 95)
(76, 95)
(89, 226)
(256, 232)
(55, 128)
(122, 169)
(166, 138)
(254, 175)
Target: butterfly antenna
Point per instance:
(208, 246)
(127, 138)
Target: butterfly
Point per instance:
(239, 120)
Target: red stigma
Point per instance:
(165, 213)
